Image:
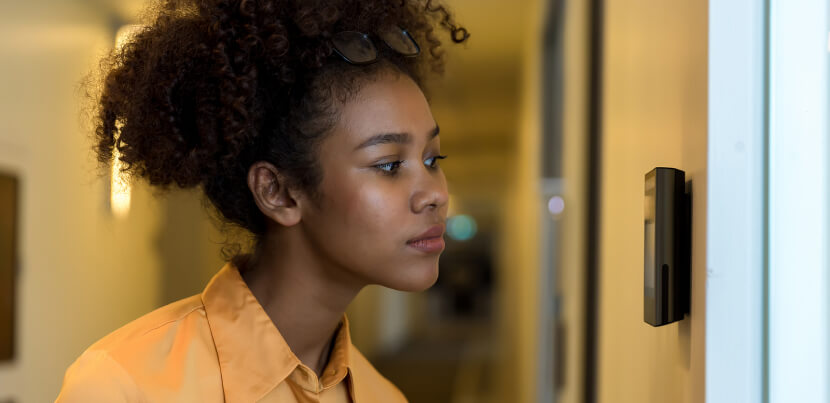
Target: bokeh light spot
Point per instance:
(556, 205)
(461, 227)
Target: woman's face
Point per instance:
(379, 195)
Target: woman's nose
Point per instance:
(432, 193)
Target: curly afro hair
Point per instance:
(210, 87)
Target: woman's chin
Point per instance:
(416, 279)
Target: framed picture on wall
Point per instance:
(8, 262)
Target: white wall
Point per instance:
(654, 114)
(83, 273)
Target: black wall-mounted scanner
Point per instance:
(667, 269)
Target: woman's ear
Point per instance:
(272, 194)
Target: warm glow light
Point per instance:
(119, 188)
(125, 33)
(120, 191)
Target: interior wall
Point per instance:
(570, 278)
(654, 114)
(518, 256)
(83, 272)
(189, 245)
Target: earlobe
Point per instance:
(272, 195)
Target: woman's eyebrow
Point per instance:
(399, 138)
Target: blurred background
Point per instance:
(553, 111)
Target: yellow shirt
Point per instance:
(217, 346)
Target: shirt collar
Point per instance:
(253, 356)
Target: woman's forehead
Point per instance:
(393, 105)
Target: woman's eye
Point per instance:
(389, 168)
(434, 163)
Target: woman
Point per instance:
(304, 123)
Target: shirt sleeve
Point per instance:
(96, 377)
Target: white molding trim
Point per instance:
(799, 206)
(735, 229)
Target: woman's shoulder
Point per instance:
(170, 317)
(167, 353)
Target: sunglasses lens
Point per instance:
(399, 40)
(355, 46)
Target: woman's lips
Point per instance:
(429, 245)
(431, 240)
(431, 232)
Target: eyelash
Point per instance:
(396, 164)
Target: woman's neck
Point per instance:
(303, 297)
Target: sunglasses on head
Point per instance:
(357, 47)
